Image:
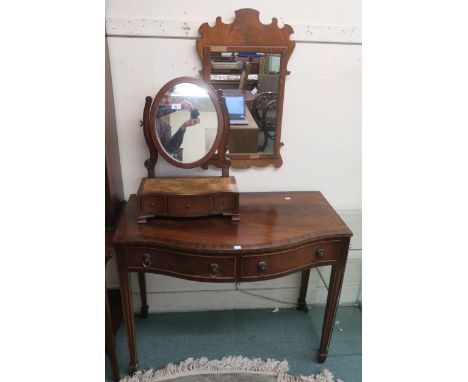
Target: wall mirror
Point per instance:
(247, 61)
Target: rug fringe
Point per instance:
(202, 365)
(324, 376)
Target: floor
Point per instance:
(287, 334)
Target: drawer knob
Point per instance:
(188, 206)
(214, 269)
(146, 260)
(262, 267)
(152, 204)
(224, 201)
(320, 252)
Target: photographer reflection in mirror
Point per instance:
(172, 142)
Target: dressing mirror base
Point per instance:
(187, 197)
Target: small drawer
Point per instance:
(189, 206)
(151, 204)
(273, 265)
(192, 267)
(224, 202)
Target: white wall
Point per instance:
(150, 44)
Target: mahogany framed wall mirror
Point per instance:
(247, 60)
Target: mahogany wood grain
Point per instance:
(279, 233)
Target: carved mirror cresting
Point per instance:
(187, 125)
(247, 61)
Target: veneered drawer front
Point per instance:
(269, 266)
(189, 206)
(152, 204)
(224, 202)
(192, 267)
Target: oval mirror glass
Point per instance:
(186, 122)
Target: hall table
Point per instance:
(279, 233)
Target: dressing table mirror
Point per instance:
(247, 61)
(187, 125)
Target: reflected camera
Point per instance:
(194, 113)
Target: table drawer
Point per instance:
(192, 267)
(189, 205)
(259, 267)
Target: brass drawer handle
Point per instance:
(214, 269)
(320, 252)
(262, 267)
(146, 260)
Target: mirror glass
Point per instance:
(249, 81)
(186, 122)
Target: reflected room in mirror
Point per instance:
(252, 78)
(247, 60)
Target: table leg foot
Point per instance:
(144, 311)
(302, 306)
(321, 357)
(132, 368)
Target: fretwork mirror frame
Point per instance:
(248, 34)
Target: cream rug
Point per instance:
(228, 369)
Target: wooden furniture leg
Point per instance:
(301, 302)
(110, 343)
(144, 304)
(334, 290)
(127, 309)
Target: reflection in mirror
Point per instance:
(186, 122)
(252, 76)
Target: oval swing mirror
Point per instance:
(186, 122)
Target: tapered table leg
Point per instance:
(110, 344)
(334, 290)
(127, 308)
(301, 302)
(144, 304)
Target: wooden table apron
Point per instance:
(279, 233)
